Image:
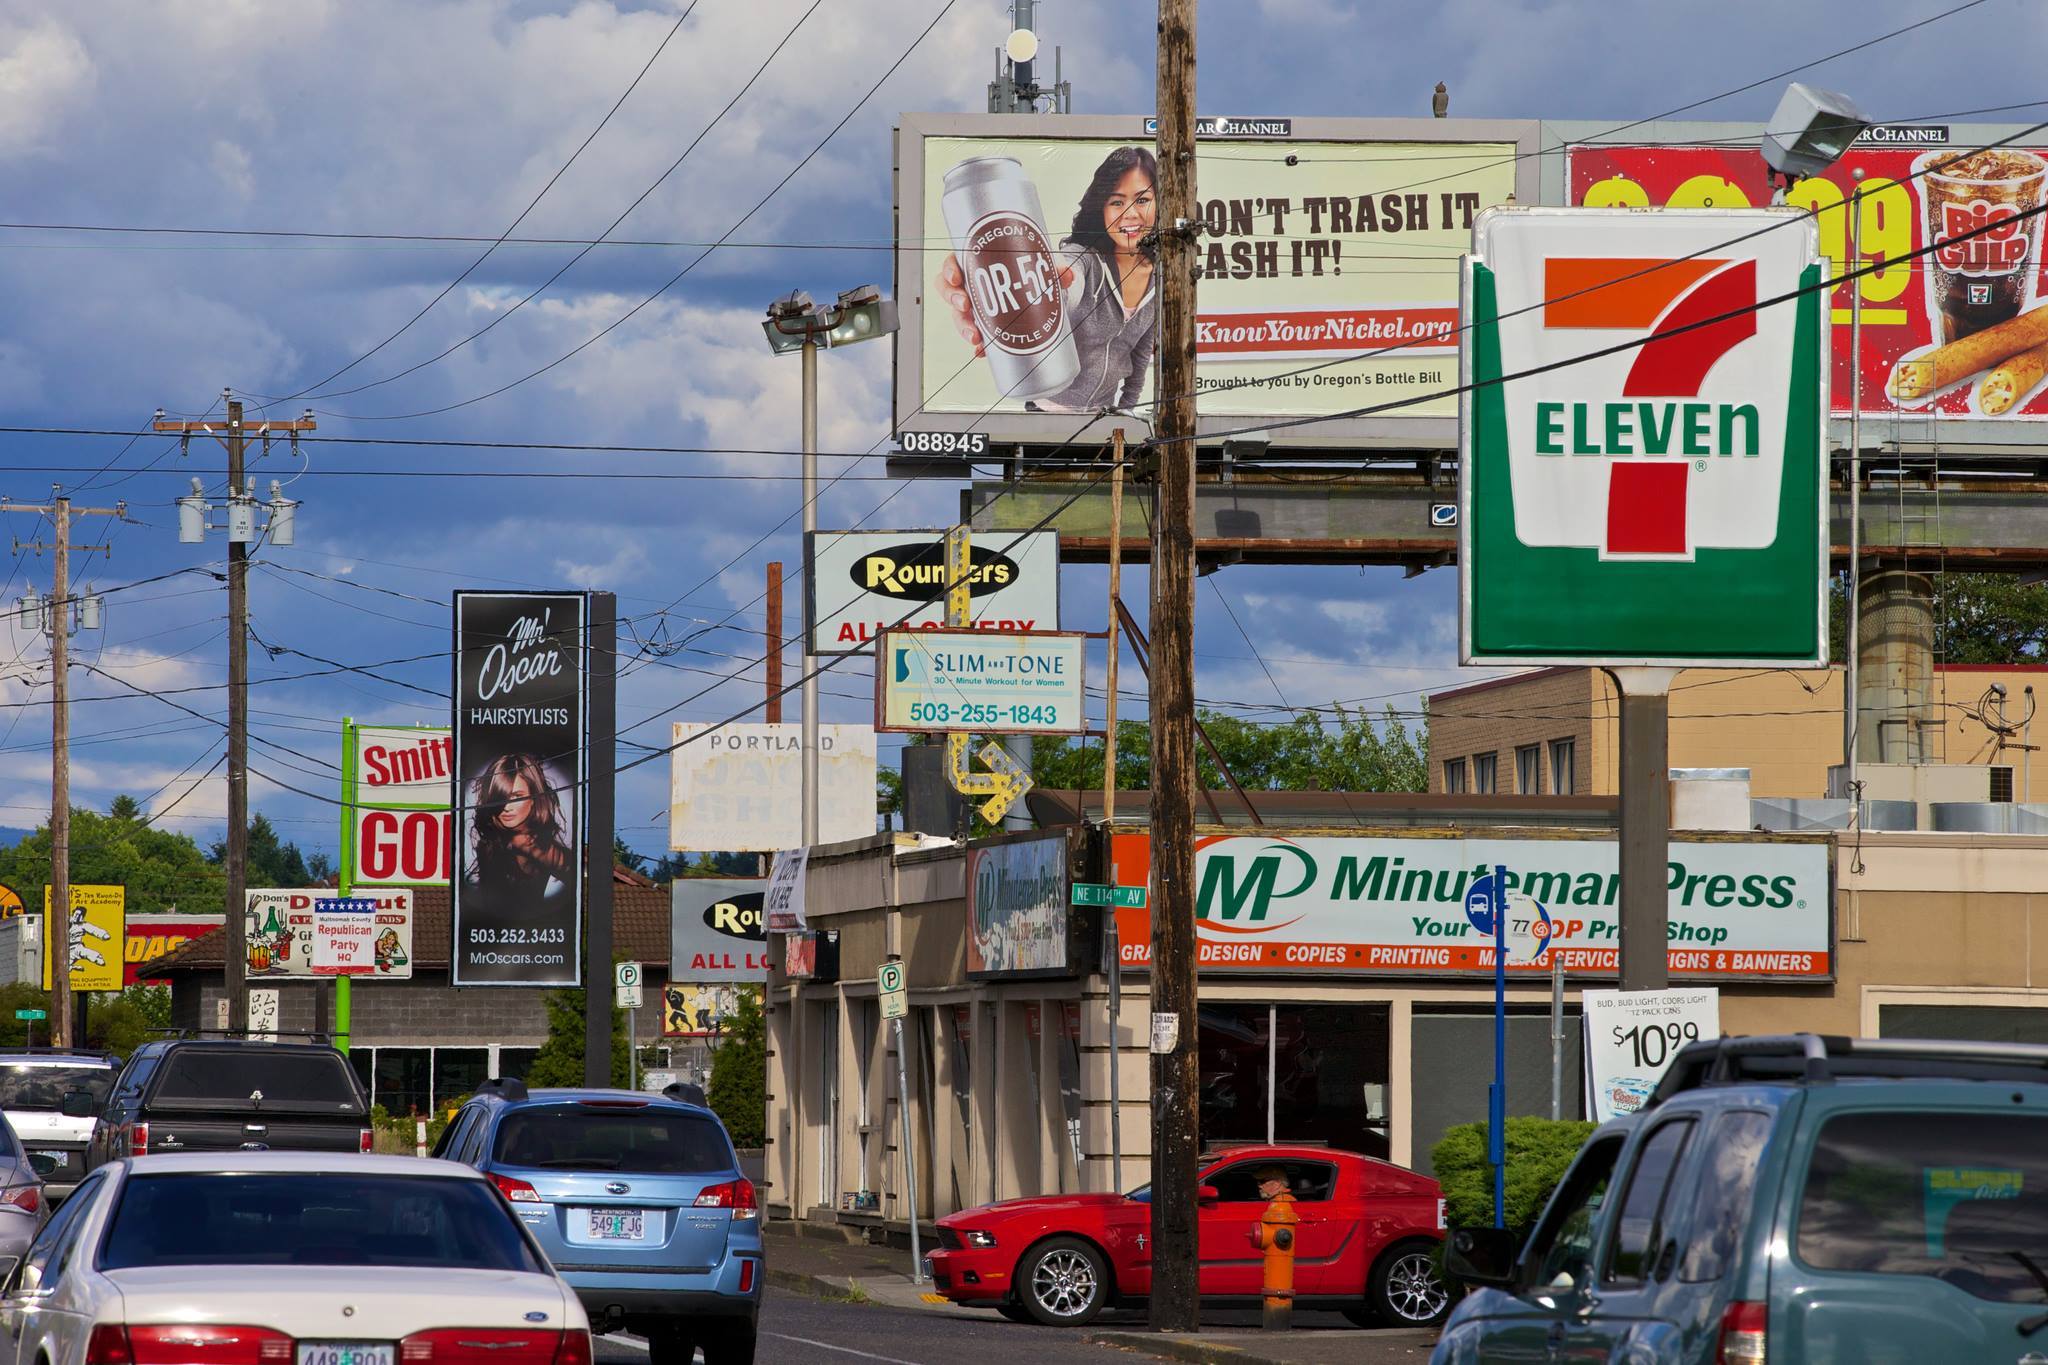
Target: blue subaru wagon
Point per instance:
(638, 1200)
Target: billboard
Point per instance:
(1017, 912)
(1956, 334)
(520, 728)
(98, 940)
(1327, 268)
(294, 933)
(991, 684)
(859, 583)
(737, 788)
(395, 821)
(717, 930)
(698, 1009)
(151, 937)
(1643, 476)
(1741, 909)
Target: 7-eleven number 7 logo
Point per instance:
(1651, 443)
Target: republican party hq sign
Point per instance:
(1643, 439)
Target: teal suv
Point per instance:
(638, 1201)
(1787, 1199)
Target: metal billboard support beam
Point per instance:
(1645, 825)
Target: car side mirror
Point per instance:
(77, 1104)
(1482, 1256)
(1207, 1195)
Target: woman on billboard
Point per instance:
(518, 834)
(1108, 260)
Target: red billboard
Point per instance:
(152, 936)
(1961, 332)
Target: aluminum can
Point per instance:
(1013, 276)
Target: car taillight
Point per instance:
(108, 1345)
(364, 1139)
(518, 1191)
(1743, 1329)
(27, 1198)
(746, 1277)
(737, 1195)
(501, 1346)
(138, 1140)
(191, 1343)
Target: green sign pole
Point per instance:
(348, 862)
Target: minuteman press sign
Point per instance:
(1643, 439)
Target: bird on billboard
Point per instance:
(1440, 102)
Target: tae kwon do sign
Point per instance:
(1751, 907)
(1643, 439)
(860, 583)
(395, 819)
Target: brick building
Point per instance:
(1556, 731)
(421, 1040)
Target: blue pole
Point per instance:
(1497, 1115)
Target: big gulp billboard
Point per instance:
(1644, 439)
(394, 816)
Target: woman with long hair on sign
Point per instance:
(1110, 258)
(518, 832)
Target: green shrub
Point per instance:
(738, 1092)
(560, 1059)
(1539, 1151)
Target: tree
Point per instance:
(673, 865)
(1539, 1151)
(270, 860)
(739, 1072)
(1347, 752)
(1980, 618)
(623, 856)
(121, 1023)
(560, 1059)
(161, 870)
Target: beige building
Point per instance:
(1557, 730)
(1010, 1046)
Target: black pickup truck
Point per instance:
(226, 1095)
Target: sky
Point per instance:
(449, 117)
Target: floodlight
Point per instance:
(1810, 131)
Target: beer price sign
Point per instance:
(1960, 332)
(1643, 476)
(395, 783)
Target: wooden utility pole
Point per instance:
(241, 531)
(771, 651)
(1176, 1141)
(1116, 575)
(64, 1030)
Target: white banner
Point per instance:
(785, 899)
(739, 788)
(1631, 1037)
(860, 583)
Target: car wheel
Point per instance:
(1063, 1282)
(730, 1343)
(1407, 1289)
(671, 1344)
(1016, 1312)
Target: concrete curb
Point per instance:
(1193, 1350)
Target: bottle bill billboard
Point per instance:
(1326, 261)
(520, 767)
(1748, 908)
(1643, 478)
(1958, 333)
(395, 820)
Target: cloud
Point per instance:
(626, 560)
(45, 76)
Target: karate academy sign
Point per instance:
(519, 770)
(1644, 439)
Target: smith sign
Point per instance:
(1738, 908)
(1643, 439)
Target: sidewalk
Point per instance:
(856, 1273)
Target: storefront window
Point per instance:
(1295, 1073)
(960, 1030)
(515, 1062)
(458, 1071)
(1236, 1075)
(1070, 1094)
(399, 1078)
(924, 1075)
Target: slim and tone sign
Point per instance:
(520, 770)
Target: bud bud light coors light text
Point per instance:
(1012, 276)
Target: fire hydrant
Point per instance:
(1275, 1236)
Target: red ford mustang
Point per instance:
(1364, 1246)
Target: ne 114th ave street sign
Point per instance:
(979, 681)
(1644, 439)
(1119, 897)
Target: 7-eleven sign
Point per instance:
(1644, 442)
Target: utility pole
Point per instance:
(1176, 1143)
(241, 530)
(56, 619)
(602, 697)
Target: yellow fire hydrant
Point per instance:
(1275, 1236)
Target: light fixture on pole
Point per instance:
(1808, 133)
(795, 323)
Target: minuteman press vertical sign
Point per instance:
(1643, 439)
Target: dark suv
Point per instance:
(1788, 1199)
(231, 1094)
